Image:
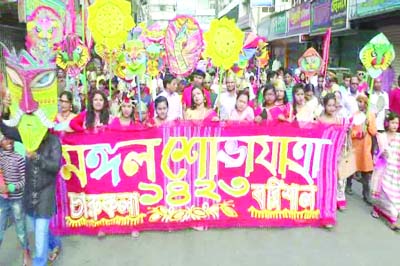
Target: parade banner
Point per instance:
(186, 175)
(299, 19)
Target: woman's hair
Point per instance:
(132, 116)
(245, 93)
(389, 117)
(281, 84)
(309, 87)
(329, 96)
(270, 75)
(302, 73)
(267, 88)
(160, 99)
(193, 107)
(296, 88)
(104, 113)
(70, 98)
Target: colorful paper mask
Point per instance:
(262, 54)
(310, 62)
(131, 61)
(152, 34)
(154, 59)
(377, 55)
(183, 45)
(33, 89)
(110, 21)
(224, 42)
(73, 55)
(44, 32)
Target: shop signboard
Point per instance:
(299, 19)
(261, 3)
(320, 16)
(339, 14)
(371, 7)
(278, 25)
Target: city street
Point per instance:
(358, 239)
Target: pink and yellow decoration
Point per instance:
(377, 55)
(183, 45)
(44, 32)
(310, 62)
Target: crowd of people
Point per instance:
(370, 116)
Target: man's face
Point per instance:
(7, 144)
(354, 85)
(320, 82)
(347, 82)
(377, 84)
(198, 80)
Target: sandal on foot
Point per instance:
(374, 214)
(394, 227)
(54, 254)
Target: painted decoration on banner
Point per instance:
(186, 175)
(310, 62)
(32, 84)
(377, 55)
(44, 32)
(183, 45)
(224, 42)
(110, 22)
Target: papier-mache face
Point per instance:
(33, 91)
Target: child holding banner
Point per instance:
(161, 106)
(330, 116)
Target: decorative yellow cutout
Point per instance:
(110, 21)
(224, 41)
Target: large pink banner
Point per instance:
(186, 175)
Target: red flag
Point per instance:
(326, 47)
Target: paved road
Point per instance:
(358, 239)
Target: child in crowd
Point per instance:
(385, 182)
(12, 166)
(161, 106)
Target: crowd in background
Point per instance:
(370, 116)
